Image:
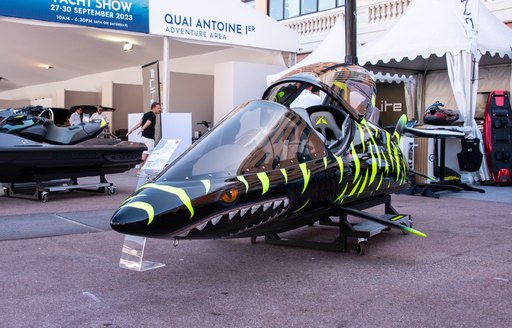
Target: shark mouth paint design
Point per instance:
(237, 221)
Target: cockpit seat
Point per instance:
(325, 123)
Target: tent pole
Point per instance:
(165, 85)
(350, 32)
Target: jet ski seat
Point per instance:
(72, 135)
(35, 132)
(47, 131)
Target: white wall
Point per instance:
(238, 82)
(92, 83)
(192, 93)
(13, 103)
(437, 86)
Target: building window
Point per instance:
(284, 9)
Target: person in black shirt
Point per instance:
(147, 124)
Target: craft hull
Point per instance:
(23, 160)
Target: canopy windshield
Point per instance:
(257, 136)
(349, 86)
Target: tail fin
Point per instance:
(399, 128)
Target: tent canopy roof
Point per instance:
(75, 51)
(431, 28)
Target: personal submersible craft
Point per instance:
(266, 169)
(34, 149)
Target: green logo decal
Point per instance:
(321, 120)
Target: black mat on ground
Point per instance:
(53, 224)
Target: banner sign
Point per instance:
(469, 14)
(126, 15)
(151, 92)
(210, 21)
(469, 11)
(201, 20)
(150, 85)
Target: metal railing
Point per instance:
(386, 11)
(312, 24)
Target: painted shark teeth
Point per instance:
(201, 226)
(254, 208)
(274, 205)
(216, 220)
(243, 211)
(183, 234)
(232, 215)
(277, 203)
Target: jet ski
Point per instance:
(436, 115)
(33, 148)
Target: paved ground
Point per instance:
(60, 268)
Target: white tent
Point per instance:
(434, 34)
(332, 48)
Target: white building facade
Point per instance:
(312, 19)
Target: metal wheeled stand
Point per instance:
(44, 185)
(360, 231)
(432, 189)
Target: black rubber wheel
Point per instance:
(361, 248)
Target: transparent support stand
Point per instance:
(132, 255)
(133, 247)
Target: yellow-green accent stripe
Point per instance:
(340, 164)
(175, 191)
(355, 188)
(300, 208)
(341, 195)
(265, 182)
(356, 161)
(133, 197)
(374, 169)
(388, 144)
(363, 186)
(143, 206)
(306, 174)
(285, 175)
(241, 178)
(380, 182)
(398, 163)
(413, 231)
(207, 185)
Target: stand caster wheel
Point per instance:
(6, 192)
(111, 190)
(44, 197)
(361, 247)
